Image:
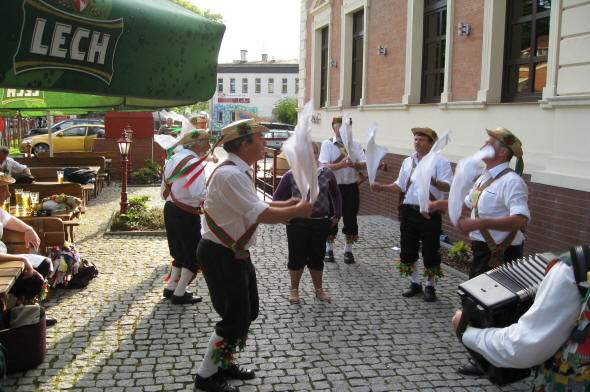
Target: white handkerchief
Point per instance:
(346, 135)
(374, 153)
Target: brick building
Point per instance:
(463, 65)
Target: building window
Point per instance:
(324, 68)
(257, 85)
(233, 116)
(433, 50)
(284, 87)
(220, 117)
(232, 85)
(527, 43)
(296, 85)
(244, 85)
(220, 85)
(271, 85)
(357, 58)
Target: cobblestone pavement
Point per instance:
(119, 334)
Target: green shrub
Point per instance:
(460, 252)
(150, 174)
(139, 216)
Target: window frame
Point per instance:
(232, 85)
(244, 85)
(358, 37)
(438, 7)
(219, 85)
(324, 50)
(257, 85)
(284, 86)
(271, 86)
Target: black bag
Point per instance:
(80, 176)
(24, 179)
(86, 272)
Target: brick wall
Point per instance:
(466, 62)
(388, 28)
(555, 212)
(141, 149)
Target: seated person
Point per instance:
(11, 167)
(37, 267)
(538, 337)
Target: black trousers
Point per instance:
(350, 209)
(482, 254)
(307, 243)
(183, 230)
(415, 228)
(32, 286)
(232, 287)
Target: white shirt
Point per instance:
(442, 172)
(196, 192)
(232, 201)
(506, 196)
(12, 167)
(4, 218)
(330, 152)
(540, 332)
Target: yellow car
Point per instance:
(79, 137)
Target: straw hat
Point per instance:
(199, 121)
(512, 142)
(426, 131)
(5, 179)
(336, 120)
(241, 128)
(194, 135)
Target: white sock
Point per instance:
(174, 276)
(185, 277)
(429, 283)
(416, 274)
(347, 248)
(208, 367)
(329, 247)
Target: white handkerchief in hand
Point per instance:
(299, 152)
(374, 153)
(425, 169)
(465, 172)
(346, 135)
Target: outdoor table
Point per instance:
(66, 216)
(9, 273)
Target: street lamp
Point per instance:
(124, 144)
(129, 135)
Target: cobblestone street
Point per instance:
(119, 334)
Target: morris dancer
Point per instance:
(345, 165)
(499, 210)
(183, 188)
(232, 212)
(416, 227)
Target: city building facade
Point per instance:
(463, 65)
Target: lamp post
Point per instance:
(124, 144)
(129, 135)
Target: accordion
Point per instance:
(497, 299)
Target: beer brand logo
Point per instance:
(55, 39)
(13, 94)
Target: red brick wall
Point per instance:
(141, 149)
(335, 46)
(466, 62)
(387, 27)
(555, 212)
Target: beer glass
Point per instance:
(35, 201)
(18, 195)
(6, 205)
(26, 196)
(60, 176)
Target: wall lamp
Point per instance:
(333, 63)
(382, 49)
(463, 29)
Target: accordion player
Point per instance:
(518, 316)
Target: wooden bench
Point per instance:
(108, 155)
(49, 174)
(47, 189)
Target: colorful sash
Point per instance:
(496, 250)
(179, 169)
(343, 152)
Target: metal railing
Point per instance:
(265, 173)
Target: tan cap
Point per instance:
(199, 122)
(241, 128)
(426, 131)
(194, 135)
(508, 138)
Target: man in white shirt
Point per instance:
(345, 165)
(232, 212)
(414, 226)
(10, 166)
(183, 188)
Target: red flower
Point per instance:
(509, 140)
(244, 129)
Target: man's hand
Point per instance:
(292, 201)
(376, 187)
(304, 209)
(382, 166)
(28, 270)
(456, 319)
(467, 225)
(334, 222)
(349, 163)
(32, 239)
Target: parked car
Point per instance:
(63, 125)
(277, 134)
(79, 137)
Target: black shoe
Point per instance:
(429, 294)
(348, 258)
(215, 383)
(168, 293)
(471, 369)
(329, 257)
(415, 288)
(176, 300)
(234, 372)
(50, 321)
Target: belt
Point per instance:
(411, 206)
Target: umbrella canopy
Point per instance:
(129, 54)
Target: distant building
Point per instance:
(250, 89)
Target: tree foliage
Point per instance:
(285, 110)
(207, 13)
(196, 108)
